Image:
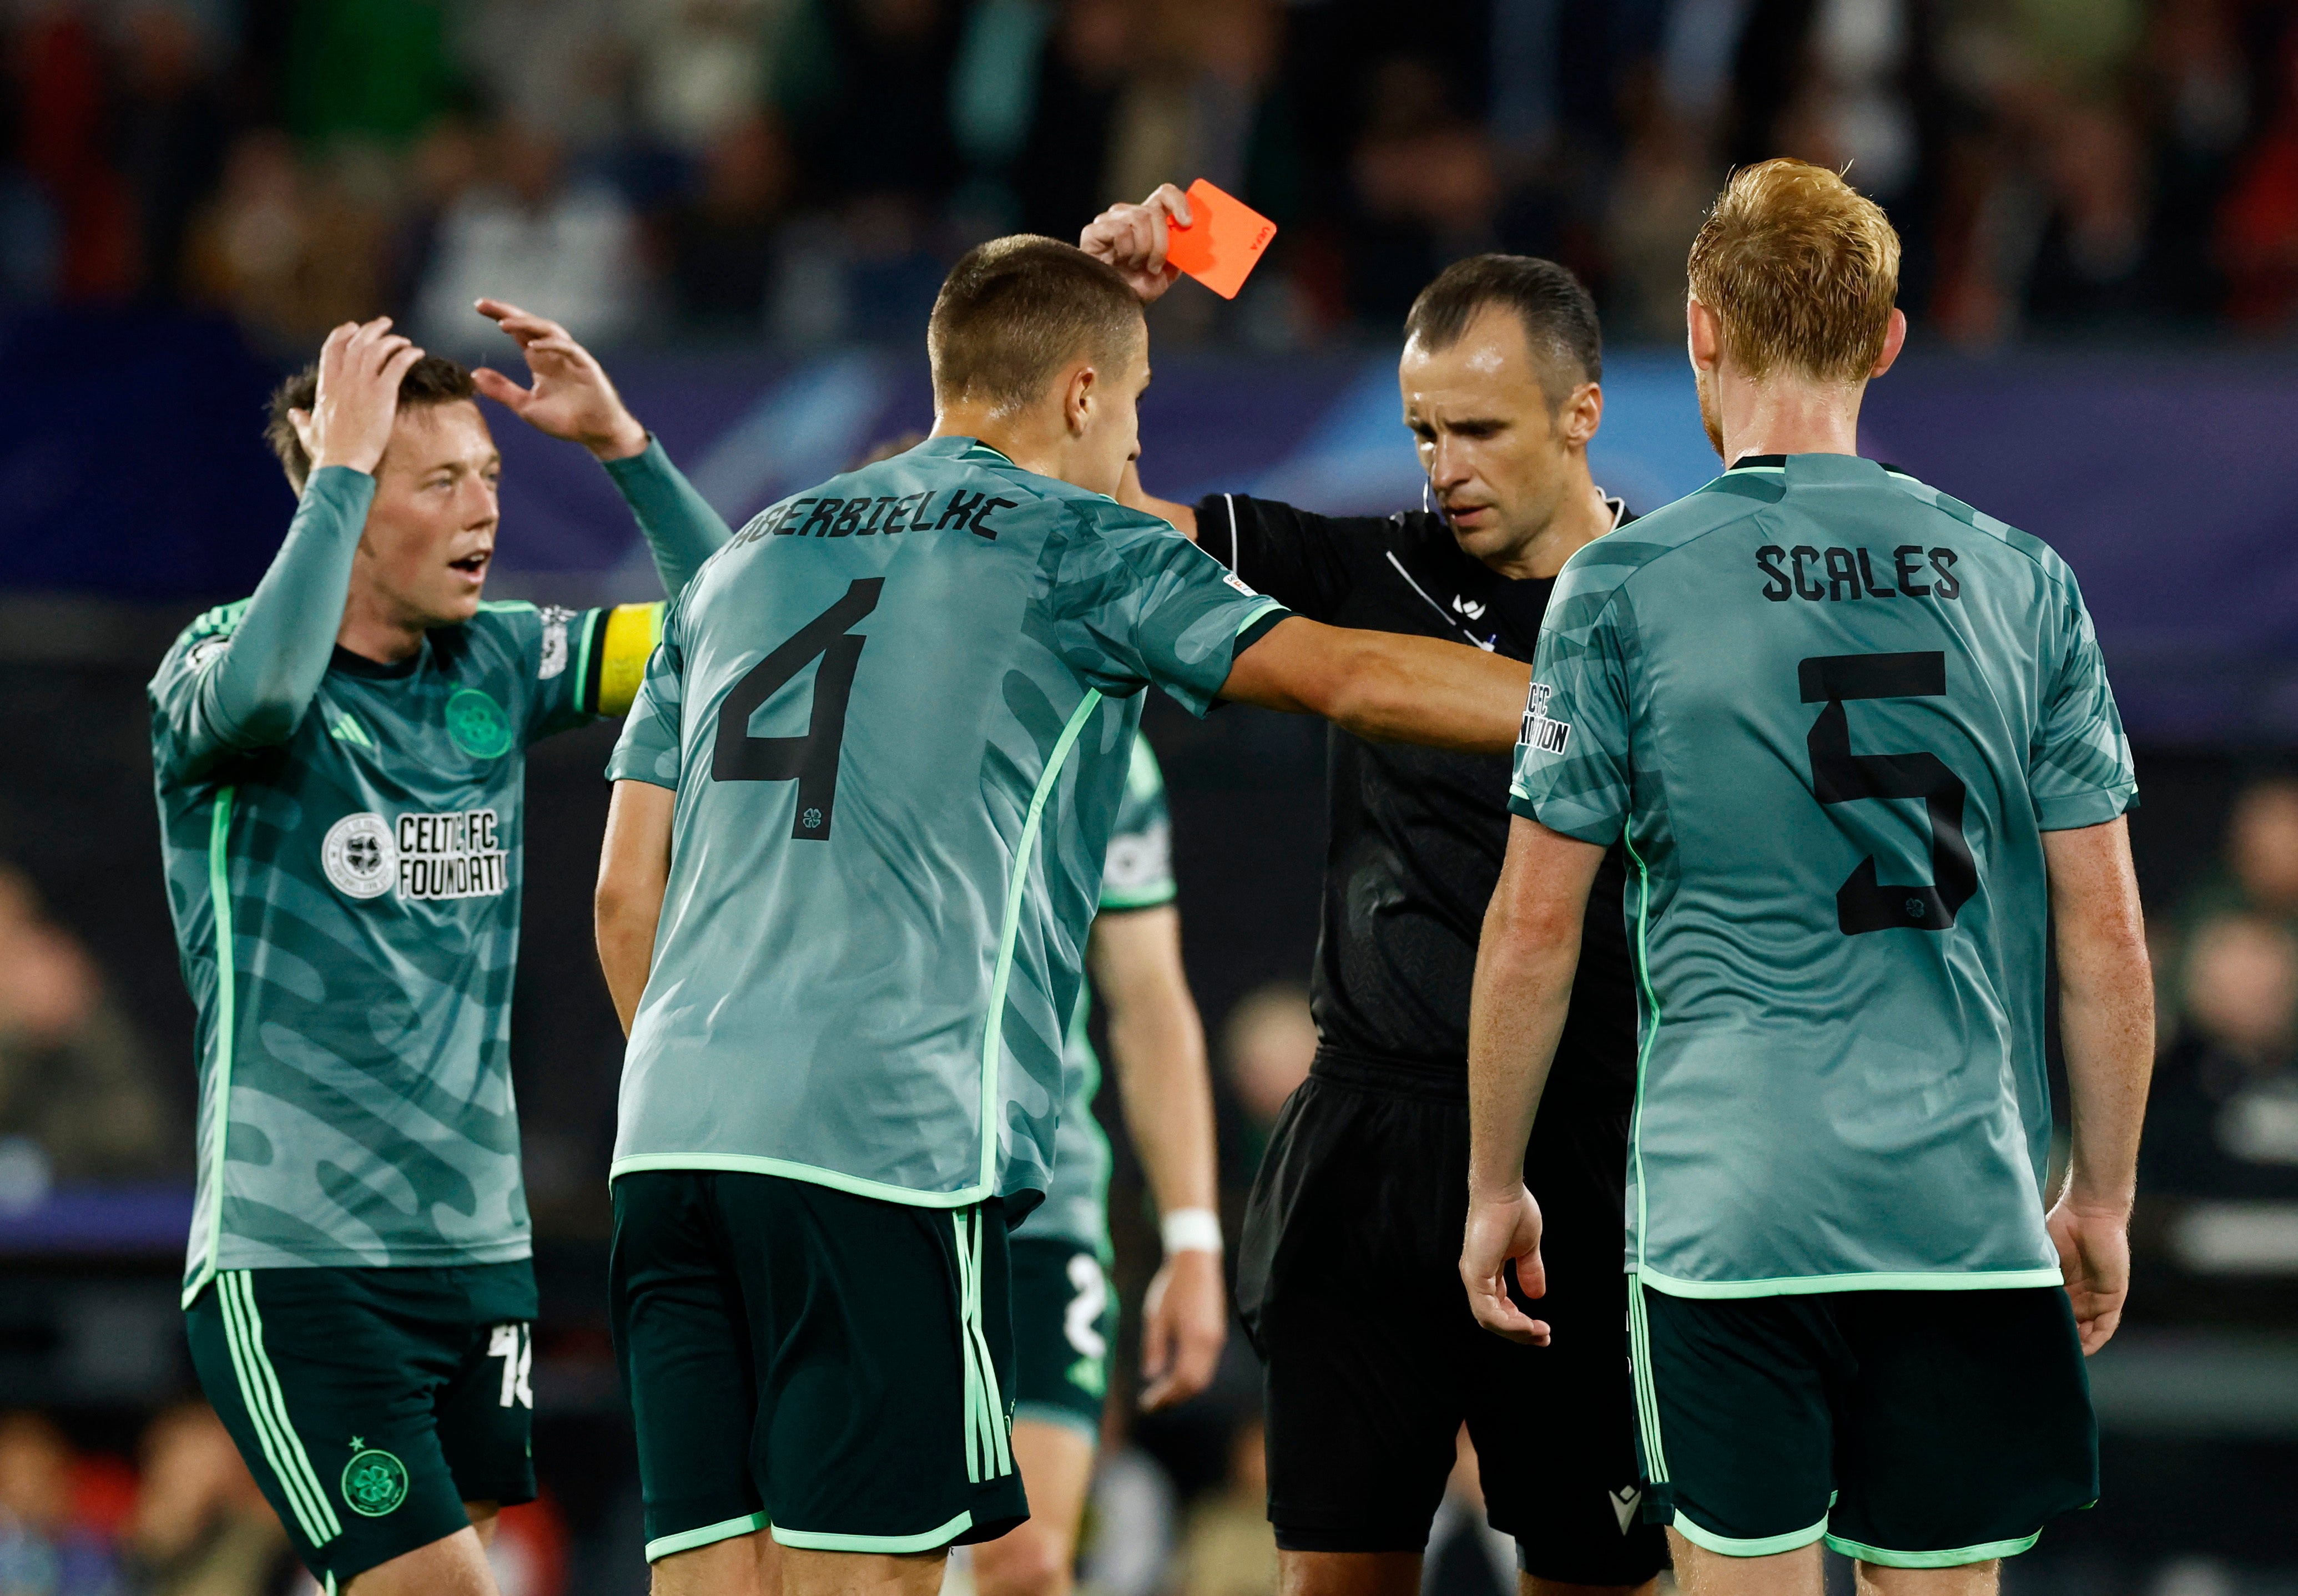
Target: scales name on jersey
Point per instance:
(417, 856)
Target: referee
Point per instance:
(1347, 1276)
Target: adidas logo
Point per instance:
(347, 729)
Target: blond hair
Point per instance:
(1800, 268)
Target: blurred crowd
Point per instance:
(2221, 1149)
(802, 170)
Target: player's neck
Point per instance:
(1582, 516)
(1025, 438)
(372, 634)
(1782, 416)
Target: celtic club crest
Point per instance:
(375, 1483)
(477, 724)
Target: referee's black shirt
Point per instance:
(1419, 833)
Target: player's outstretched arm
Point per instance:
(2106, 1025)
(1157, 1048)
(1385, 687)
(255, 693)
(1525, 965)
(633, 872)
(572, 399)
(1132, 238)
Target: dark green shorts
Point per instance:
(834, 1367)
(372, 1403)
(1064, 1327)
(1916, 1429)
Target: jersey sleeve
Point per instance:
(1139, 872)
(1291, 554)
(590, 664)
(241, 678)
(2079, 771)
(1132, 601)
(649, 749)
(1572, 756)
(681, 529)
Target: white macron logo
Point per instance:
(1625, 1504)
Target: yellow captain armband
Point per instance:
(624, 638)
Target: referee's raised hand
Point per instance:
(1499, 1232)
(1132, 238)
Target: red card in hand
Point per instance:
(1223, 242)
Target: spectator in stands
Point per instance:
(200, 1526)
(168, 129)
(1268, 1043)
(718, 245)
(75, 1081)
(44, 1548)
(564, 249)
(287, 253)
(2223, 1120)
(2259, 873)
(1427, 187)
(702, 64)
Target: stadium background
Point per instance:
(746, 204)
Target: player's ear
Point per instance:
(1079, 397)
(1895, 338)
(301, 420)
(1703, 335)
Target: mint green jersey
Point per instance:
(1139, 875)
(899, 714)
(1832, 711)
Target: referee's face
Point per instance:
(1501, 455)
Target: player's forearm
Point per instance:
(626, 926)
(1157, 1048)
(2106, 1027)
(256, 693)
(1516, 1015)
(681, 529)
(633, 876)
(1385, 687)
(1401, 689)
(2106, 1007)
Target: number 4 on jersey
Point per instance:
(1838, 776)
(810, 761)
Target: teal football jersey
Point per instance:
(1139, 875)
(1832, 711)
(346, 909)
(899, 714)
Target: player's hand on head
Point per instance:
(2094, 1247)
(572, 396)
(1501, 1232)
(1183, 1326)
(1132, 238)
(361, 367)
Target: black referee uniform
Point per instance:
(1348, 1276)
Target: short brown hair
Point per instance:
(1558, 317)
(1802, 270)
(1014, 310)
(434, 380)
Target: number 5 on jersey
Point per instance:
(810, 761)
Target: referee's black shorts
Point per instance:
(1349, 1282)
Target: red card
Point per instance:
(1223, 242)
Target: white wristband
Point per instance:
(1192, 1230)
